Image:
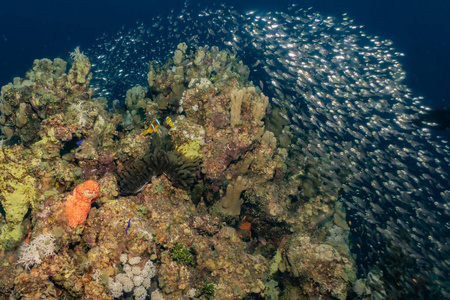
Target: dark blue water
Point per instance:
(38, 29)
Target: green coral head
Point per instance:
(207, 290)
(182, 255)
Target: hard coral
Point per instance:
(79, 203)
(135, 278)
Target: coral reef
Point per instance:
(25, 103)
(217, 206)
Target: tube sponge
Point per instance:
(79, 203)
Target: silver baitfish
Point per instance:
(343, 89)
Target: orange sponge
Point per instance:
(79, 203)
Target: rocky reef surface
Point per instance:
(252, 225)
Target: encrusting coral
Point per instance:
(79, 203)
(17, 190)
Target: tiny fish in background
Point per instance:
(152, 128)
(129, 221)
(169, 123)
(79, 142)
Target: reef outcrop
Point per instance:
(208, 204)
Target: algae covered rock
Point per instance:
(17, 191)
(245, 273)
(25, 103)
(332, 273)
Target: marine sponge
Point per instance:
(79, 203)
(160, 159)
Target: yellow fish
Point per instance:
(152, 128)
(169, 122)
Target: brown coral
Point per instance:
(231, 203)
(322, 264)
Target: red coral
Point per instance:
(79, 203)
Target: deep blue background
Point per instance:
(38, 29)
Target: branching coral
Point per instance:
(161, 159)
(231, 203)
(248, 97)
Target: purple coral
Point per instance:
(220, 120)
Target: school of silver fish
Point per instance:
(342, 89)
